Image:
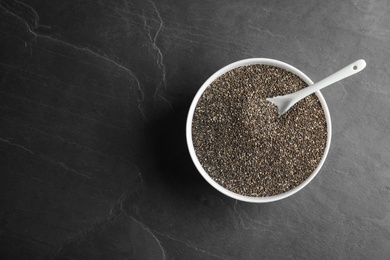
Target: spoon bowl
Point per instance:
(203, 171)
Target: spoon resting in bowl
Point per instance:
(284, 103)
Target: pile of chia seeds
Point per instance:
(243, 145)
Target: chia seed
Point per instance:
(243, 145)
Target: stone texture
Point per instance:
(93, 102)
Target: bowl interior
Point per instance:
(191, 148)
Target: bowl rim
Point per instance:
(244, 62)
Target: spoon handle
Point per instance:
(345, 72)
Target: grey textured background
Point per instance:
(93, 102)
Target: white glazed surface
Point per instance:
(190, 145)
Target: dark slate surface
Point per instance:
(94, 97)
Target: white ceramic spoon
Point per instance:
(284, 103)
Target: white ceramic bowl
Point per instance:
(198, 165)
